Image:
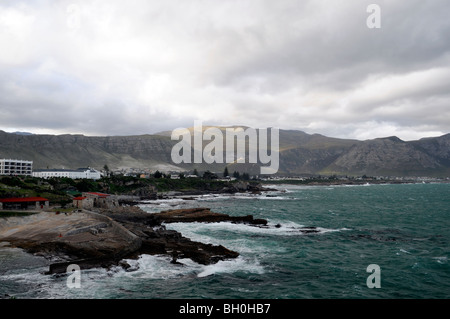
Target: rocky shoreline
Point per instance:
(105, 237)
(147, 194)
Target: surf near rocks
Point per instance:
(149, 236)
(204, 215)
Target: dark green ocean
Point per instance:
(404, 229)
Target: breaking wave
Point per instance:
(160, 267)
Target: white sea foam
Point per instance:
(404, 251)
(31, 275)
(159, 205)
(276, 197)
(232, 266)
(441, 260)
(159, 267)
(144, 268)
(153, 206)
(295, 188)
(164, 201)
(38, 284)
(207, 232)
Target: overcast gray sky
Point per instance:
(133, 67)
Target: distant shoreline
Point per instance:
(268, 186)
(347, 182)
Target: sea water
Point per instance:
(404, 229)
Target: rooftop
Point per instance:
(98, 194)
(64, 170)
(23, 199)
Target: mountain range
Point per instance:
(299, 154)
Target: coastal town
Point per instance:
(21, 186)
(94, 222)
(92, 217)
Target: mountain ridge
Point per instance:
(300, 153)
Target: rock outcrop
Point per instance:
(82, 237)
(204, 215)
(107, 236)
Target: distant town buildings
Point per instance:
(16, 167)
(88, 173)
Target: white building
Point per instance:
(15, 167)
(88, 173)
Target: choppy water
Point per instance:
(405, 229)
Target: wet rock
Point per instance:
(204, 215)
(106, 237)
(309, 230)
(156, 239)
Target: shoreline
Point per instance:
(348, 183)
(268, 186)
(104, 238)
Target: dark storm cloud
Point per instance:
(113, 68)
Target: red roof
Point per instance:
(23, 200)
(80, 198)
(98, 194)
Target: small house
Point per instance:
(100, 200)
(35, 203)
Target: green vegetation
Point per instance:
(15, 186)
(60, 191)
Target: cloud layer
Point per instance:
(135, 67)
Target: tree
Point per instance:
(86, 185)
(236, 174)
(225, 172)
(106, 169)
(196, 172)
(157, 174)
(209, 175)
